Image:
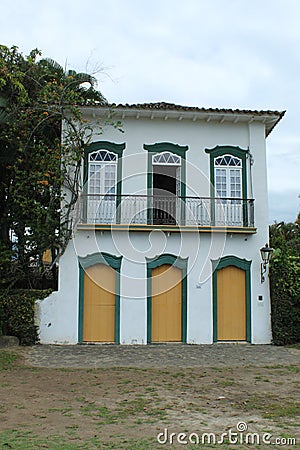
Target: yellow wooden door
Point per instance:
(231, 287)
(166, 304)
(99, 304)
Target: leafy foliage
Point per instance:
(285, 282)
(286, 236)
(17, 309)
(36, 97)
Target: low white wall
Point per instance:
(57, 315)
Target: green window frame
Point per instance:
(113, 148)
(180, 263)
(90, 260)
(236, 152)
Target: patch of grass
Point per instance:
(271, 409)
(28, 440)
(124, 444)
(125, 382)
(140, 406)
(66, 369)
(150, 389)
(275, 366)
(178, 375)
(278, 411)
(226, 383)
(7, 359)
(99, 412)
(106, 415)
(293, 369)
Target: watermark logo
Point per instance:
(238, 436)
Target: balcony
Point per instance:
(165, 211)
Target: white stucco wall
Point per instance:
(58, 314)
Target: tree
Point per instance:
(286, 236)
(285, 282)
(36, 97)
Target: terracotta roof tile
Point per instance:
(173, 107)
(270, 117)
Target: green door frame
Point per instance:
(160, 147)
(240, 264)
(179, 263)
(90, 260)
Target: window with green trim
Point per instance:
(103, 180)
(102, 176)
(228, 176)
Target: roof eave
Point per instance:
(269, 118)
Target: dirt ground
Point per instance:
(128, 407)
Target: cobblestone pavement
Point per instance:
(159, 355)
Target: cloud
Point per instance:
(234, 53)
(283, 206)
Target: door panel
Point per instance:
(99, 304)
(101, 207)
(166, 304)
(231, 288)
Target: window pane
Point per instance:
(228, 179)
(235, 183)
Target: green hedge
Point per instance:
(17, 308)
(285, 298)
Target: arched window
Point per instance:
(102, 177)
(228, 176)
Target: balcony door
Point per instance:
(166, 183)
(228, 185)
(102, 181)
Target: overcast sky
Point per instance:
(207, 53)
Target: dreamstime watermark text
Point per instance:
(238, 436)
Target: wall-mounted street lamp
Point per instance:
(266, 253)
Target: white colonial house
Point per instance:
(171, 219)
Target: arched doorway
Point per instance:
(99, 298)
(232, 299)
(167, 299)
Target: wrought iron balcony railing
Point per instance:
(165, 210)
